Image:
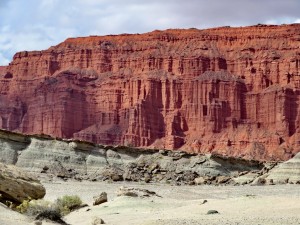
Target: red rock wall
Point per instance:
(233, 91)
(2, 70)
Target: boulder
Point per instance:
(100, 198)
(17, 185)
(112, 173)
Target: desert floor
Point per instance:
(278, 204)
(237, 205)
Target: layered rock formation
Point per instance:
(232, 91)
(17, 186)
(286, 172)
(53, 158)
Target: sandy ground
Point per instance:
(10, 217)
(237, 205)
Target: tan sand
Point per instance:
(10, 217)
(241, 205)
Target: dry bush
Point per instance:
(68, 203)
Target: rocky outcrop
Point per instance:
(52, 158)
(183, 168)
(17, 186)
(286, 172)
(230, 91)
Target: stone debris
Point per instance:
(136, 192)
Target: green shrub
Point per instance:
(67, 203)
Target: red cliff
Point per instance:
(232, 91)
(3, 69)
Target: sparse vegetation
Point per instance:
(52, 214)
(67, 203)
(41, 209)
(22, 208)
(35, 207)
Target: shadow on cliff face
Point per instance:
(291, 110)
(12, 111)
(152, 119)
(146, 93)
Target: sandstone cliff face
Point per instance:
(233, 91)
(2, 69)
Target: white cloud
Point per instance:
(38, 24)
(3, 60)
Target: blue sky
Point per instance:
(39, 24)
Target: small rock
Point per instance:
(135, 192)
(155, 171)
(147, 177)
(269, 182)
(203, 202)
(123, 191)
(100, 198)
(97, 221)
(45, 169)
(117, 177)
(112, 154)
(250, 196)
(199, 180)
(153, 168)
(163, 152)
(209, 212)
(37, 222)
(243, 173)
(259, 181)
(222, 179)
(112, 173)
